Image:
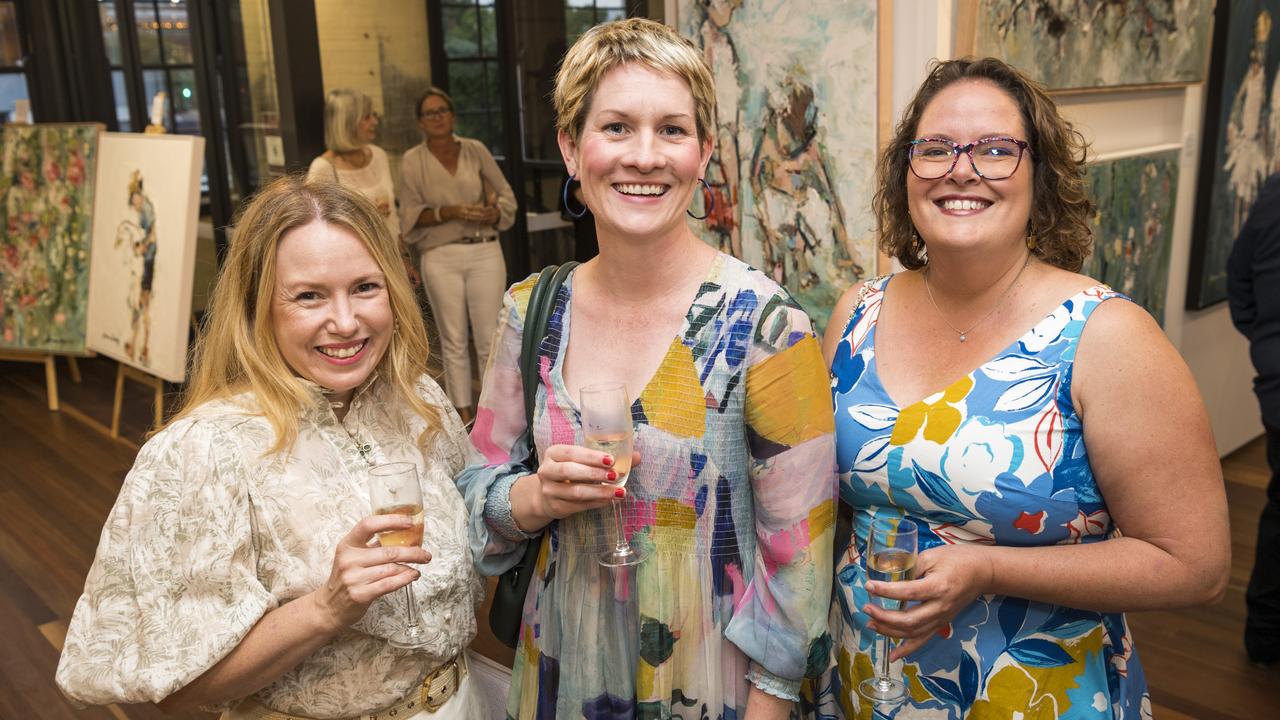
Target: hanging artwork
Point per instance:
(1133, 225)
(1241, 145)
(795, 139)
(1093, 43)
(144, 250)
(47, 188)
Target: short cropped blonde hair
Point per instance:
(610, 45)
(343, 111)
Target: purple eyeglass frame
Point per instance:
(957, 149)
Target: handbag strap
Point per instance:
(541, 302)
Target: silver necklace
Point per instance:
(964, 334)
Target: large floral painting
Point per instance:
(1241, 145)
(1133, 225)
(792, 173)
(1098, 43)
(46, 182)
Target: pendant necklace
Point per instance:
(964, 334)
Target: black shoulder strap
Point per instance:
(541, 301)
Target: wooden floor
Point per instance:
(60, 475)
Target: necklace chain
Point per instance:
(964, 334)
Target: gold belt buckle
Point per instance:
(433, 704)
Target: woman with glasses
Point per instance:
(453, 202)
(350, 157)
(1040, 431)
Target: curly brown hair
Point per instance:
(1061, 207)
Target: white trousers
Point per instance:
(465, 284)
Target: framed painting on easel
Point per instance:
(144, 250)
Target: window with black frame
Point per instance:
(469, 30)
(153, 46)
(13, 61)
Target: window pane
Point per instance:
(473, 125)
(175, 33)
(460, 39)
(110, 31)
(576, 22)
(152, 83)
(466, 85)
(10, 44)
(613, 14)
(13, 87)
(144, 15)
(186, 115)
(488, 32)
(122, 100)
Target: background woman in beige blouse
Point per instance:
(453, 202)
(236, 571)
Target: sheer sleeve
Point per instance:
(173, 587)
(413, 195)
(781, 621)
(499, 454)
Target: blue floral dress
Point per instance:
(998, 457)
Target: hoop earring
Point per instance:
(564, 196)
(709, 202)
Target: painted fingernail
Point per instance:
(607, 460)
(620, 493)
(611, 475)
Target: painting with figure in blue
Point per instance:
(792, 172)
(1133, 226)
(1241, 142)
(1098, 43)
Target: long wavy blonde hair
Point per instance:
(237, 352)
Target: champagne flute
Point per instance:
(891, 557)
(394, 490)
(606, 426)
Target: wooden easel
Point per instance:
(50, 370)
(157, 384)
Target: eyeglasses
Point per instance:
(434, 114)
(994, 158)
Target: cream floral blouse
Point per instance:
(209, 534)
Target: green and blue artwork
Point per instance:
(1098, 43)
(1133, 226)
(46, 181)
(792, 173)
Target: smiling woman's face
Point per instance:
(638, 158)
(961, 210)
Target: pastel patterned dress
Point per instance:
(998, 457)
(733, 501)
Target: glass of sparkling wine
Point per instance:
(891, 557)
(606, 426)
(394, 490)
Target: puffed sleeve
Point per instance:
(781, 621)
(413, 195)
(492, 175)
(173, 586)
(499, 454)
(321, 169)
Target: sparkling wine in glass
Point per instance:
(606, 426)
(394, 490)
(891, 557)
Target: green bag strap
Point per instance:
(541, 302)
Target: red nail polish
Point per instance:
(620, 493)
(607, 461)
(611, 475)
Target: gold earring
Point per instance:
(1031, 241)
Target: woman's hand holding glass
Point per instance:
(362, 574)
(570, 479)
(949, 577)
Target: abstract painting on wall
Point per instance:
(46, 182)
(1133, 225)
(795, 139)
(144, 250)
(1241, 144)
(1097, 43)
